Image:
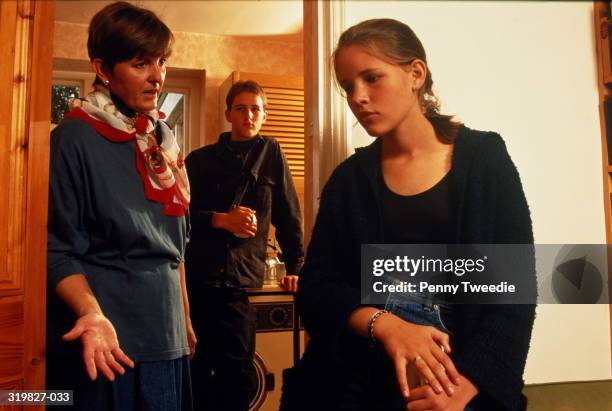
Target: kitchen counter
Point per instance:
(268, 290)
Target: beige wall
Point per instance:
(218, 55)
(527, 70)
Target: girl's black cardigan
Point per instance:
(491, 344)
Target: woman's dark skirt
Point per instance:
(158, 385)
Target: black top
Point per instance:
(243, 148)
(215, 257)
(491, 342)
(102, 225)
(423, 218)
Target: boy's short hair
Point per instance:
(248, 86)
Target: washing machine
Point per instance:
(279, 344)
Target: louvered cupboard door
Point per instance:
(285, 123)
(25, 80)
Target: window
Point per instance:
(173, 106)
(66, 85)
(60, 95)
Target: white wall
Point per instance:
(528, 71)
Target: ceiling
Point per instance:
(281, 19)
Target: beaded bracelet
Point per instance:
(371, 322)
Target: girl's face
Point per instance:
(383, 96)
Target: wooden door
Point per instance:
(26, 45)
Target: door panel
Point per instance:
(25, 80)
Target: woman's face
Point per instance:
(138, 82)
(381, 95)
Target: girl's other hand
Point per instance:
(425, 399)
(407, 343)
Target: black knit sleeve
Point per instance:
(494, 356)
(325, 299)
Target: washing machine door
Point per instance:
(265, 383)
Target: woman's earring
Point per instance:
(106, 82)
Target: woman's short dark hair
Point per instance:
(246, 86)
(395, 42)
(122, 31)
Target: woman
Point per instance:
(117, 230)
(426, 179)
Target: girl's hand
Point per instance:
(407, 343)
(425, 399)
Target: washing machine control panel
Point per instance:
(273, 316)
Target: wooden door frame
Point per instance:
(601, 16)
(26, 52)
(37, 194)
(326, 135)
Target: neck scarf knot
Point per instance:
(160, 165)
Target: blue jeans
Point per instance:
(419, 313)
(416, 310)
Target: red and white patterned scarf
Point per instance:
(161, 166)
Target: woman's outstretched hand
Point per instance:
(425, 347)
(101, 349)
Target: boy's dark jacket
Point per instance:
(215, 257)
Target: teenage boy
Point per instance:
(239, 186)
